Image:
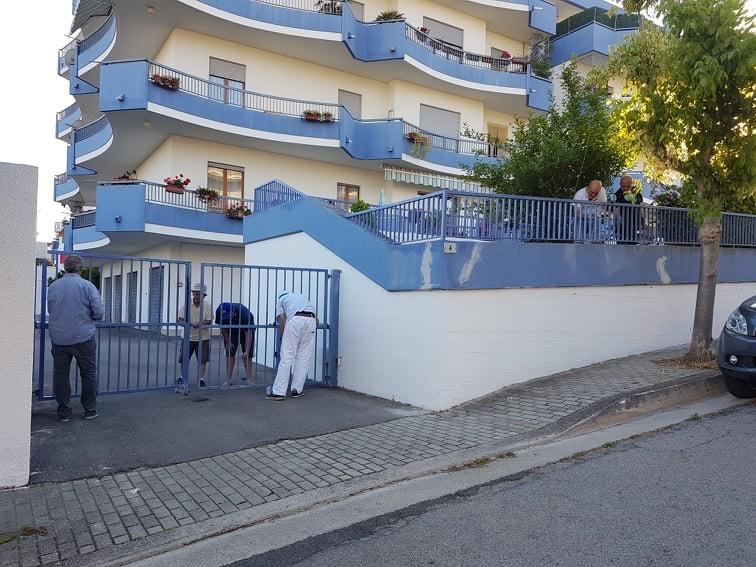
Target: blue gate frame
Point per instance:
(132, 356)
(138, 351)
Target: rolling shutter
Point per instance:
(156, 294)
(118, 298)
(444, 123)
(133, 295)
(445, 32)
(228, 70)
(352, 102)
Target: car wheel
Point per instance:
(739, 388)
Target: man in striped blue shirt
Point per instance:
(74, 305)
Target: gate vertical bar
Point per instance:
(332, 377)
(187, 324)
(42, 331)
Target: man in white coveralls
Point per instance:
(296, 324)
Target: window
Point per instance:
(497, 135)
(352, 102)
(348, 193)
(227, 180)
(358, 9)
(444, 123)
(229, 78)
(444, 32)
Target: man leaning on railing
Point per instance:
(588, 217)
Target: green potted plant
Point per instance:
(389, 16)
(176, 184)
(238, 211)
(312, 115)
(358, 206)
(207, 195)
(420, 144)
(166, 81)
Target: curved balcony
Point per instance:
(81, 233)
(80, 57)
(590, 31)
(65, 120)
(291, 17)
(513, 18)
(87, 143)
(65, 188)
(195, 102)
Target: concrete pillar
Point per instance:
(18, 227)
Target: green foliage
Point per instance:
(557, 153)
(691, 108)
(359, 206)
(94, 278)
(389, 16)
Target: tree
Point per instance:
(690, 106)
(557, 153)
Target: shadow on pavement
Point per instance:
(151, 429)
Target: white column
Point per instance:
(18, 222)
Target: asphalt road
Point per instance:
(682, 497)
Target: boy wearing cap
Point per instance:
(296, 324)
(237, 330)
(201, 311)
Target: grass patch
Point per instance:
(708, 363)
(26, 531)
(482, 462)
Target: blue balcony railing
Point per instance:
(615, 22)
(84, 220)
(464, 215)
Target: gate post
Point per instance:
(332, 377)
(42, 329)
(187, 325)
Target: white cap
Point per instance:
(200, 288)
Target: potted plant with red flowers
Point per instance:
(206, 194)
(176, 184)
(238, 211)
(312, 115)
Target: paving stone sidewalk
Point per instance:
(82, 516)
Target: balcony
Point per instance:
(65, 120)
(80, 233)
(591, 31)
(65, 188)
(80, 57)
(137, 214)
(259, 120)
(87, 143)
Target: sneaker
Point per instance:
(64, 418)
(275, 397)
(202, 383)
(91, 414)
(297, 394)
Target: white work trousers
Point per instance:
(297, 352)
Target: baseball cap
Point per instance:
(199, 287)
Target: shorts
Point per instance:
(238, 339)
(201, 354)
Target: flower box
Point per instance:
(312, 116)
(166, 82)
(417, 138)
(178, 189)
(238, 212)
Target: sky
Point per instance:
(38, 93)
(33, 93)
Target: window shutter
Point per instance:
(439, 121)
(445, 32)
(227, 70)
(352, 102)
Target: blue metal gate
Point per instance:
(140, 354)
(253, 290)
(150, 350)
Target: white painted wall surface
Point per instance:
(436, 349)
(17, 233)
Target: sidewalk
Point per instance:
(93, 516)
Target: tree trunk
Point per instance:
(710, 235)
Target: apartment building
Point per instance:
(376, 101)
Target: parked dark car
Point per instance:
(736, 354)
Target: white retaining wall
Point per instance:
(18, 184)
(436, 349)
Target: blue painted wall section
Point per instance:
(372, 41)
(83, 235)
(278, 15)
(500, 264)
(80, 147)
(90, 49)
(67, 121)
(124, 208)
(543, 16)
(64, 188)
(593, 37)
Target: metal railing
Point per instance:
(275, 193)
(465, 215)
(159, 194)
(96, 35)
(65, 49)
(92, 128)
(324, 7)
(83, 220)
(66, 112)
(424, 138)
(328, 112)
(458, 55)
(60, 179)
(616, 22)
